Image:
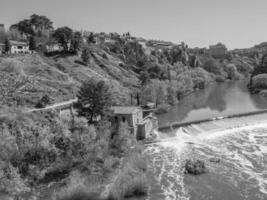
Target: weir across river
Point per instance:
(175, 125)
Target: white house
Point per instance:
(19, 47)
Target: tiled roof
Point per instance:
(13, 42)
(125, 109)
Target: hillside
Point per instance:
(60, 76)
(124, 66)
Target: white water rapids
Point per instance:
(239, 143)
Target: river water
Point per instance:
(240, 144)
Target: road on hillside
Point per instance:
(64, 103)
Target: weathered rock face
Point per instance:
(195, 167)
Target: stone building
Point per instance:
(133, 115)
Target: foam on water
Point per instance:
(241, 144)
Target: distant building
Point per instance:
(218, 50)
(19, 47)
(52, 47)
(133, 115)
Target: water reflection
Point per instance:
(219, 99)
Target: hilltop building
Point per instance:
(19, 47)
(218, 50)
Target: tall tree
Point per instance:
(91, 38)
(94, 100)
(24, 27)
(7, 45)
(63, 36)
(41, 23)
(32, 43)
(86, 55)
(76, 42)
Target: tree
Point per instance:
(86, 55)
(32, 43)
(76, 42)
(94, 100)
(40, 23)
(24, 27)
(144, 77)
(91, 38)
(7, 45)
(63, 36)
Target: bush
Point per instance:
(78, 189)
(195, 167)
(259, 81)
(232, 72)
(110, 163)
(80, 192)
(129, 183)
(162, 108)
(131, 180)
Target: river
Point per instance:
(240, 144)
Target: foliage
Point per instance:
(232, 72)
(77, 188)
(7, 45)
(32, 43)
(91, 39)
(131, 180)
(36, 25)
(154, 92)
(11, 85)
(171, 96)
(195, 167)
(122, 140)
(86, 54)
(260, 81)
(94, 100)
(212, 66)
(76, 42)
(162, 108)
(63, 36)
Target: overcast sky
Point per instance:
(236, 23)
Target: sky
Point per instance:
(199, 23)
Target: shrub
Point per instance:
(232, 72)
(259, 81)
(86, 54)
(129, 183)
(11, 181)
(212, 66)
(110, 163)
(195, 167)
(162, 108)
(78, 189)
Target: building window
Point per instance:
(20, 47)
(123, 119)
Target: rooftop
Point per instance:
(13, 42)
(125, 109)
